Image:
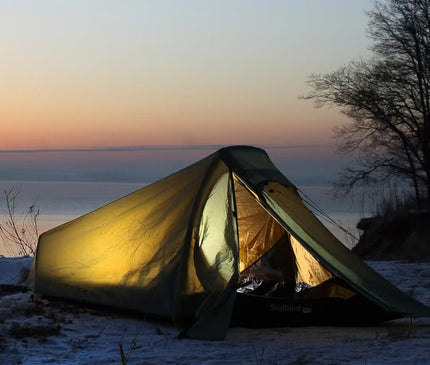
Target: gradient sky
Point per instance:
(126, 73)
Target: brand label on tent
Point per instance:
(306, 308)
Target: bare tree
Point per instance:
(386, 99)
(19, 232)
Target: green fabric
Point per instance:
(253, 166)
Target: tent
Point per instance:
(227, 240)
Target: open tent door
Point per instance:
(276, 268)
(260, 235)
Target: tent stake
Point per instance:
(410, 326)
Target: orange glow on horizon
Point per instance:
(69, 131)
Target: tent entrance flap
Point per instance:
(215, 256)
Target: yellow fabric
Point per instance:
(289, 207)
(258, 231)
(309, 270)
(134, 242)
(329, 290)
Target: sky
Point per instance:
(107, 73)
(87, 86)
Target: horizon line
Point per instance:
(158, 148)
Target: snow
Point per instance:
(56, 332)
(14, 270)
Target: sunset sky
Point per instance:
(91, 74)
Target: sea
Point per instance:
(58, 202)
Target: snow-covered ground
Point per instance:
(59, 333)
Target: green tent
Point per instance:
(197, 246)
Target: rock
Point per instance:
(397, 237)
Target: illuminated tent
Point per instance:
(198, 246)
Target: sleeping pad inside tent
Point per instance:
(227, 240)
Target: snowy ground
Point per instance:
(59, 333)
